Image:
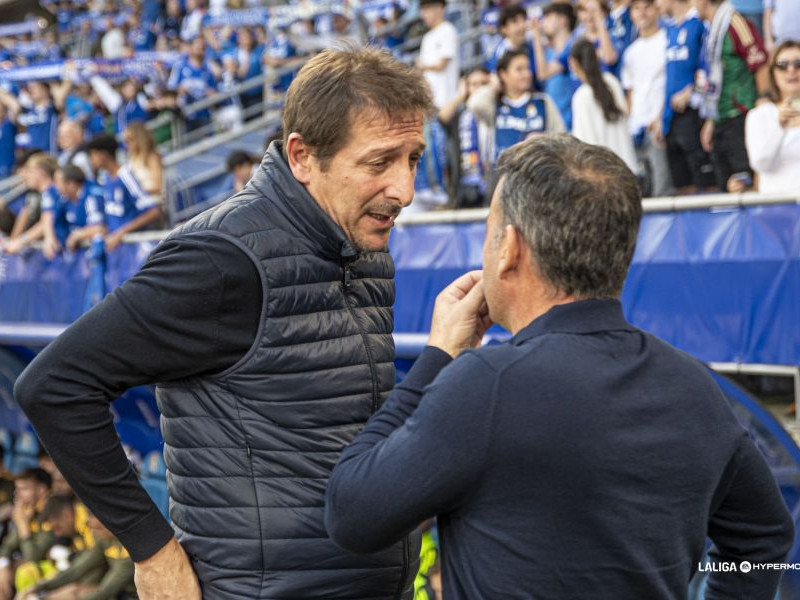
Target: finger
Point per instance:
(461, 286)
(475, 299)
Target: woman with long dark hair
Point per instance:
(598, 106)
(511, 113)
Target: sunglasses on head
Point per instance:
(783, 65)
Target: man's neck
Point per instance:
(712, 12)
(533, 310)
(112, 168)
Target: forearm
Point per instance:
(542, 68)
(607, 53)
(766, 24)
(762, 79)
(141, 221)
(107, 94)
(449, 110)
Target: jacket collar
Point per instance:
(300, 207)
(582, 317)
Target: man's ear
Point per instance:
(299, 157)
(510, 252)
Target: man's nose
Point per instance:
(401, 185)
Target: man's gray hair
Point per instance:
(578, 207)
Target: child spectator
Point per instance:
(513, 25)
(772, 129)
(598, 114)
(513, 113)
(241, 165)
(38, 175)
(644, 67)
(126, 205)
(552, 55)
(464, 130)
(689, 165)
(738, 74)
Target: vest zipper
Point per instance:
(346, 283)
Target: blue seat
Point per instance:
(154, 480)
(26, 453)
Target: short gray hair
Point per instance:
(578, 207)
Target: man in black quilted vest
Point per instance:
(266, 322)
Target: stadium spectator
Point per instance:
(144, 159)
(191, 24)
(249, 56)
(557, 26)
(438, 55)
(193, 79)
(112, 44)
(78, 215)
(126, 205)
(781, 22)
(689, 165)
(171, 24)
(31, 210)
(139, 36)
(513, 113)
(593, 16)
(772, 130)
(513, 26)
(464, 131)
(620, 25)
(644, 78)
(278, 54)
(737, 74)
(35, 112)
(128, 105)
(598, 106)
(73, 151)
(38, 175)
(228, 115)
(240, 165)
(28, 537)
(8, 132)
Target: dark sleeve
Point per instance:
(192, 309)
(751, 523)
(416, 457)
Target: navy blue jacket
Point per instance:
(583, 459)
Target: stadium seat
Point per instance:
(154, 480)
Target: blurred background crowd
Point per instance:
(107, 107)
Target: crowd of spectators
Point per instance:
(52, 546)
(688, 92)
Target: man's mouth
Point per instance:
(381, 219)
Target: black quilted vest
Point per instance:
(249, 451)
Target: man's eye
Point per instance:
(414, 160)
(379, 164)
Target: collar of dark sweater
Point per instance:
(581, 317)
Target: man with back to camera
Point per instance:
(268, 320)
(582, 459)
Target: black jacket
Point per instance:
(249, 450)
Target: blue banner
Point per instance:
(722, 286)
(81, 69)
(15, 29)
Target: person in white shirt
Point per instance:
(644, 77)
(598, 105)
(772, 129)
(438, 55)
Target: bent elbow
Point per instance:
(28, 392)
(346, 527)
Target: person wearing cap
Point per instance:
(438, 54)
